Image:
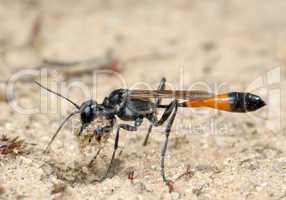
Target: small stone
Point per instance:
(175, 196)
(58, 187)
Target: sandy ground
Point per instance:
(221, 45)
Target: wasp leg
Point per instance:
(100, 131)
(169, 113)
(165, 116)
(157, 102)
(103, 130)
(94, 158)
(127, 127)
(167, 133)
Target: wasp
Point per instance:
(137, 105)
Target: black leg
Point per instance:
(157, 102)
(127, 127)
(100, 131)
(94, 158)
(83, 126)
(167, 113)
(165, 145)
(106, 129)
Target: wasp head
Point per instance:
(88, 111)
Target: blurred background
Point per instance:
(219, 45)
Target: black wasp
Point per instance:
(135, 105)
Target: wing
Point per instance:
(170, 94)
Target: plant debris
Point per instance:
(77, 68)
(189, 173)
(89, 139)
(11, 146)
(131, 174)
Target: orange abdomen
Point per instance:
(220, 102)
(232, 102)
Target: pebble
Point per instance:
(175, 196)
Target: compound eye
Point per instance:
(87, 115)
(88, 110)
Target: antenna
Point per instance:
(49, 90)
(58, 130)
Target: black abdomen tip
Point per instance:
(245, 102)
